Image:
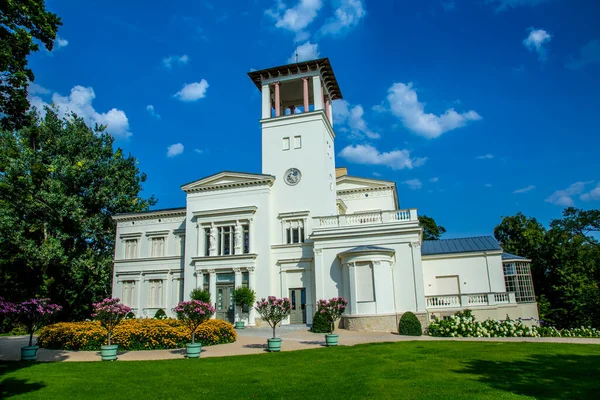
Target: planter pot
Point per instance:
(193, 350)
(29, 353)
(109, 353)
(274, 345)
(239, 325)
(331, 339)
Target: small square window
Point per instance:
(297, 142)
(286, 143)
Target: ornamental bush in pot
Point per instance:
(273, 311)
(243, 297)
(193, 313)
(332, 310)
(110, 312)
(34, 314)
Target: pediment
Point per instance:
(226, 179)
(345, 182)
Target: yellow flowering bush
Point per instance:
(134, 334)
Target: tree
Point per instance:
(60, 184)
(22, 22)
(431, 230)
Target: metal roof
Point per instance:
(508, 256)
(361, 249)
(461, 245)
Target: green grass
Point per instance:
(405, 370)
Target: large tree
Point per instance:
(60, 184)
(431, 230)
(22, 23)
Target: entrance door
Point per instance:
(298, 315)
(225, 303)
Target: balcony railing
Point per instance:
(469, 300)
(369, 218)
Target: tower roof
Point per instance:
(321, 64)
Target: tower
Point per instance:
(298, 137)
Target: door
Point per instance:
(225, 304)
(298, 297)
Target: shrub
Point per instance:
(110, 313)
(243, 297)
(320, 324)
(332, 309)
(410, 325)
(273, 310)
(193, 313)
(134, 334)
(160, 314)
(200, 295)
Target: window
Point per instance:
(128, 295)
(157, 246)
(180, 245)
(297, 142)
(131, 248)
(294, 231)
(246, 231)
(226, 240)
(155, 295)
(286, 143)
(178, 290)
(517, 277)
(365, 290)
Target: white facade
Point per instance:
(300, 229)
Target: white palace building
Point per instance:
(307, 230)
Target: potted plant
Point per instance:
(110, 312)
(243, 297)
(332, 310)
(274, 310)
(33, 314)
(193, 313)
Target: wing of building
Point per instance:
(305, 230)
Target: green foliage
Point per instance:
(23, 23)
(410, 325)
(243, 296)
(200, 295)
(60, 184)
(320, 324)
(431, 230)
(160, 314)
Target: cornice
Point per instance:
(180, 212)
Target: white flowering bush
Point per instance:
(463, 324)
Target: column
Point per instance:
(317, 92)
(305, 91)
(277, 100)
(212, 287)
(251, 283)
(266, 101)
(328, 108)
(237, 312)
(200, 238)
(212, 244)
(352, 284)
(168, 300)
(330, 112)
(199, 279)
(418, 277)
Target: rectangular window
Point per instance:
(286, 143)
(226, 240)
(365, 290)
(181, 245)
(297, 142)
(128, 296)
(518, 280)
(158, 246)
(246, 230)
(207, 241)
(155, 295)
(294, 231)
(131, 248)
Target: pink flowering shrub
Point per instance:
(34, 313)
(110, 312)
(273, 310)
(193, 313)
(332, 309)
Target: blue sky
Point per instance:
(478, 109)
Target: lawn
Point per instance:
(404, 370)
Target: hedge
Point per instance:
(134, 334)
(410, 325)
(320, 324)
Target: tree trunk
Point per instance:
(109, 338)
(193, 336)
(274, 325)
(31, 338)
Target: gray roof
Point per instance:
(361, 249)
(508, 256)
(461, 245)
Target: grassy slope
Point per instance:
(406, 370)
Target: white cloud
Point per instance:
(485, 157)
(413, 184)
(60, 42)
(535, 42)
(199, 151)
(488, 185)
(588, 54)
(296, 18)
(34, 88)
(434, 179)
(352, 117)
(593, 194)
(79, 101)
(376, 174)
(525, 189)
(174, 150)
(306, 51)
(404, 103)
(506, 4)
(151, 111)
(192, 91)
(565, 197)
(168, 62)
(369, 155)
(347, 15)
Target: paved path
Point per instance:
(253, 341)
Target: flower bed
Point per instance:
(134, 334)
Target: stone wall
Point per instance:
(378, 323)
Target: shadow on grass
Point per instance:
(560, 376)
(10, 387)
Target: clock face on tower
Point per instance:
(292, 176)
